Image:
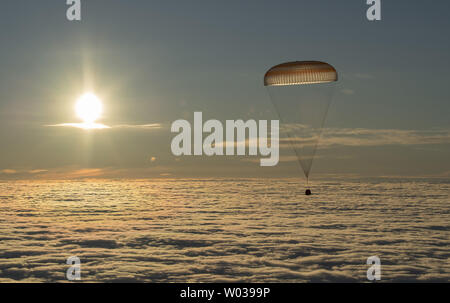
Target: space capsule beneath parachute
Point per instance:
(301, 93)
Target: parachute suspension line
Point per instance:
(306, 108)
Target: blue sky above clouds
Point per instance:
(153, 62)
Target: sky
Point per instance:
(154, 62)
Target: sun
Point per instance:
(89, 108)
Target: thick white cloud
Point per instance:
(223, 231)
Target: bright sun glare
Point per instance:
(89, 108)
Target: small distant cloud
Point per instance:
(347, 91)
(151, 160)
(85, 173)
(103, 126)
(8, 171)
(282, 159)
(81, 125)
(77, 173)
(37, 171)
(445, 174)
(139, 126)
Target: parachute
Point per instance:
(301, 93)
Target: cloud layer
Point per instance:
(302, 135)
(224, 231)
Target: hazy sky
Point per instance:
(153, 62)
